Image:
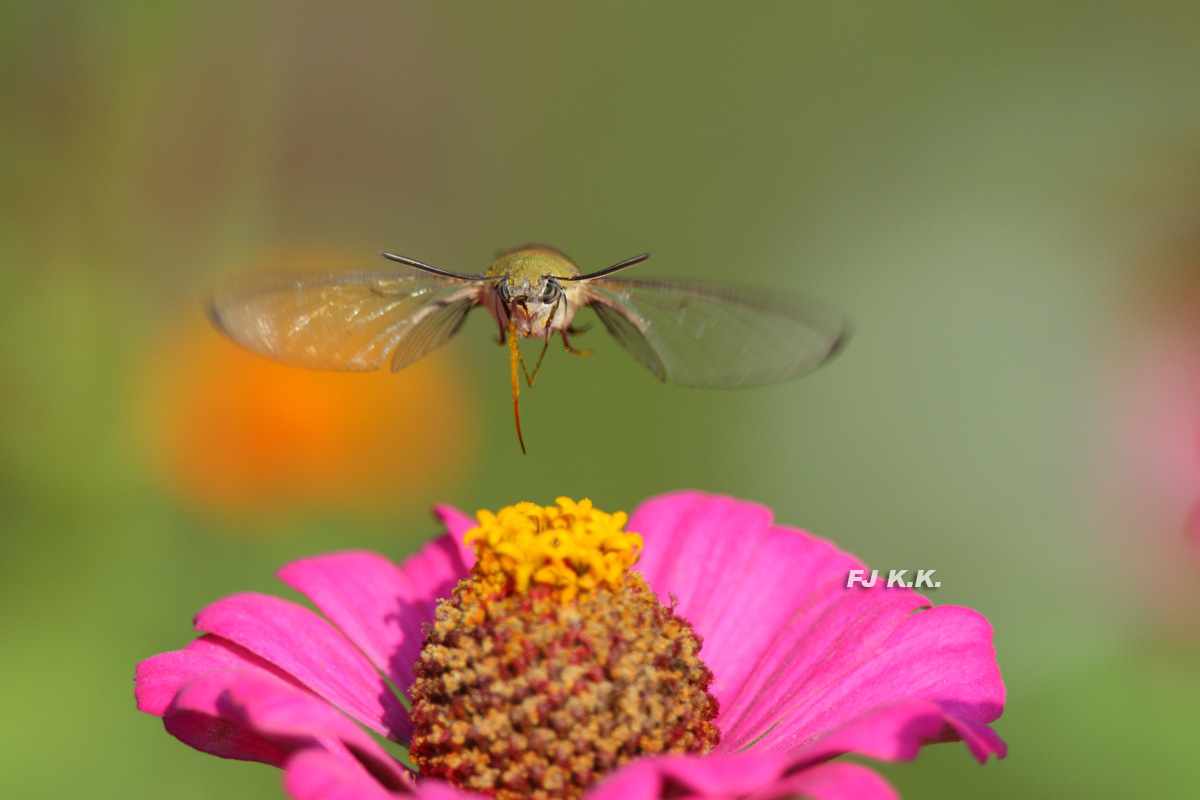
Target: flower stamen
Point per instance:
(570, 547)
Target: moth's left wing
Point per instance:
(717, 335)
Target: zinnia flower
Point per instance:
(734, 663)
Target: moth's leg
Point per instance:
(529, 379)
(567, 343)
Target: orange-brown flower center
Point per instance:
(550, 665)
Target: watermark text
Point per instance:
(896, 577)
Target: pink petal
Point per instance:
(817, 654)
(311, 650)
(794, 684)
(438, 790)
(267, 709)
(315, 774)
(722, 775)
(688, 776)
(194, 718)
(836, 781)
(379, 606)
(896, 732)
(942, 654)
(457, 524)
(745, 775)
(640, 780)
(159, 678)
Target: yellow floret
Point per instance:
(570, 547)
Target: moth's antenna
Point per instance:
(629, 262)
(444, 273)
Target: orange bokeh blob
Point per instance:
(232, 432)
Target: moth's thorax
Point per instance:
(531, 263)
(525, 273)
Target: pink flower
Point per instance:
(804, 668)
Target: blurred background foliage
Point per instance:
(1004, 197)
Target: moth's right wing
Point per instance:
(352, 321)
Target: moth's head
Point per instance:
(532, 303)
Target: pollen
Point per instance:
(553, 663)
(569, 547)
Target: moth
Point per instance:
(691, 333)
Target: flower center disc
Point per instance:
(552, 664)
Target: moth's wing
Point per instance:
(433, 329)
(352, 321)
(717, 335)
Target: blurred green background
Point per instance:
(1004, 198)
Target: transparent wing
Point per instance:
(432, 330)
(350, 321)
(715, 335)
